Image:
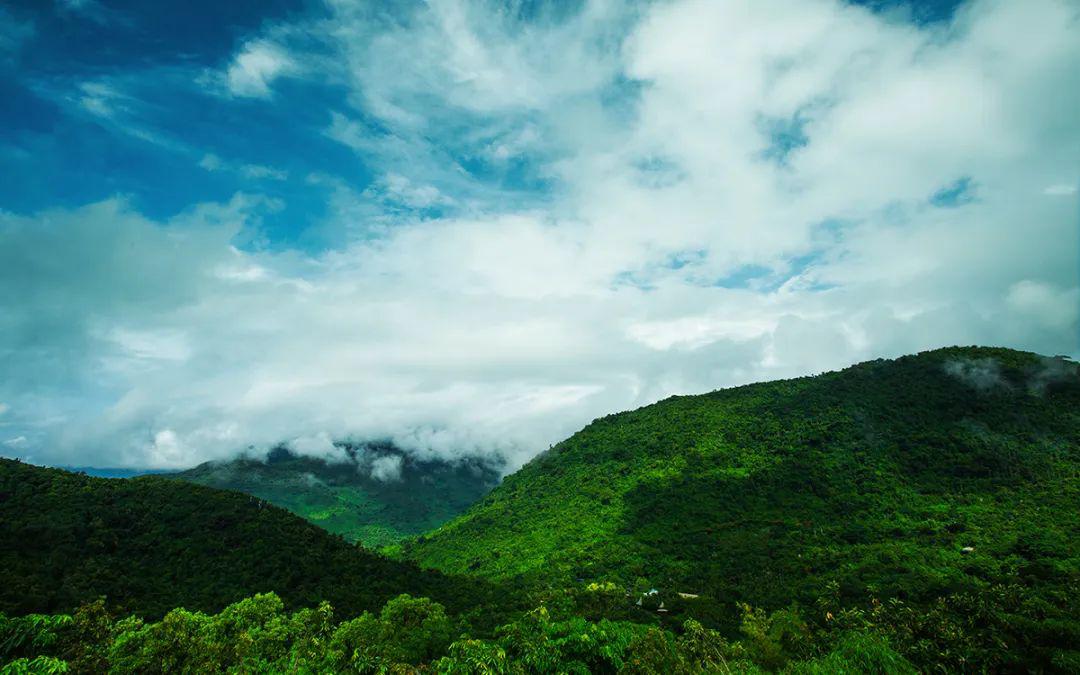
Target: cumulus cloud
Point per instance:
(211, 162)
(255, 68)
(395, 187)
(1045, 303)
(319, 446)
(386, 468)
(754, 199)
(381, 463)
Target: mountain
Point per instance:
(948, 474)
(153, 543)
(915, 515)
(113, 472)
(373, 493)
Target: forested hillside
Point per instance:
(945, 479)
(150, 544)
(373, 493)
(916, 515)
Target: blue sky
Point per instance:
(110, 98)
(473, 226)
(120, 98)
(106, 99)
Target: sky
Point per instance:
(473, 227)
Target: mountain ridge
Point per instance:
(947, 472)
(153, 543)
(373, 493)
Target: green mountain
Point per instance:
(916, 515)
(153, 543)
(113, 472)
(951, 475)
(375, 493)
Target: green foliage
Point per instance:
(543, 644)
(655, 651)
(178, 643)
(774, 639)
(1005, 628)
(417, 628)
(149, 544)
(39, 665)
(856, 653)
(706, 650)
(905, 480)
(408, 631)
(32, 634)
(355, 643)
(253, 635)
(89, 637)
(476, 657)
(257, 635)
(343, 498)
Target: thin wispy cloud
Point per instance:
(14, 33)
(212, 162)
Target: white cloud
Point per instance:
(319, 445)
(1059, 190)
(260, 171)
(979, 374)
(397, 188)
(114, 103)
(210, 162)
(255, 68)
(1046, 304)
(142, 344)
(682, 246)
(100, 99)
(386, 468)
(167, 449)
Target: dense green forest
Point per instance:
(150, 544)
(416, 635)
(947, 480)
(916, 515)
(346, 497)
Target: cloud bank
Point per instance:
(576, 212)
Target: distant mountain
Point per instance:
(373, 493)
(114, 472)
(152, 543)
(949, 474)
